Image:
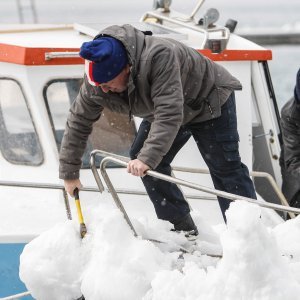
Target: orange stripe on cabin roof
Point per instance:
(36, 56)
(237, 55)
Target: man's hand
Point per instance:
(71, 184)
(137, 168)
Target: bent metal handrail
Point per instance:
(179, 21)
(17, 296)
(265, 175)
(198, 187)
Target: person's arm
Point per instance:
(167, 96)
(83, 113)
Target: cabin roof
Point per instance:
(28, 45)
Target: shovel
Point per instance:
(82, 229)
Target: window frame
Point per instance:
(46, 86)
(33, 125)
(83, 167)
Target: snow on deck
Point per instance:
(259, 261)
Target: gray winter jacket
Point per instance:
(290, 154)
(170, 85)
(290, 124)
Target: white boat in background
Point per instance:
(41, 74)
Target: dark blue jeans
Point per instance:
(217, 141)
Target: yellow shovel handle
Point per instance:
(79, 212)
(83, 229)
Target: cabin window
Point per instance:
(112, 132)
(19, 142)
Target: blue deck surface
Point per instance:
(10, 283)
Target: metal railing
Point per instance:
(177, 181)
(101, 188)
(47, 186)
(17, 296)
(65, 54)
(265, 175)
(225, 33)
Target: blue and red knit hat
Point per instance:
(105, 58)
(297, 87)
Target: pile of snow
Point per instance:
(259, 262)
(51, 265)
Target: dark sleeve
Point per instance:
(82, 115)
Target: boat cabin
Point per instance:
(41, 74)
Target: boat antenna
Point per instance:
(26, 7)
(191, 17)
(198, 6)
